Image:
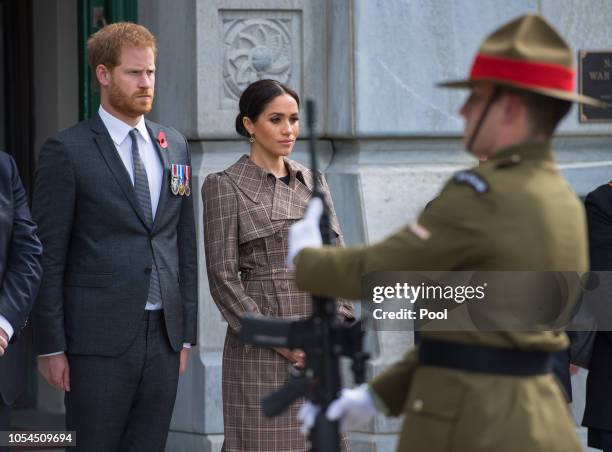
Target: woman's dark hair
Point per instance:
(256, 97)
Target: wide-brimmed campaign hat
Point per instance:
(529, 54)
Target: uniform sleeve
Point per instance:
(446, 236)
(23, 263)
(345, 308)
(390, 389)
(188, 267)
(53, 209)
(221, 246)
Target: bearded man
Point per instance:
(116, 313)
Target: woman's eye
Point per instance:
(275, 120)
(294, 120)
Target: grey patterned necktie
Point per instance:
(141, 186)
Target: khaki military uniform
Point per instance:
(514, 212)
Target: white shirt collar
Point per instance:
(119, 130)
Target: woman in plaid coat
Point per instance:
(248, 209)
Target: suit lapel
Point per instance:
(115, 164)
(153, 130)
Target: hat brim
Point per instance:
(555, 93)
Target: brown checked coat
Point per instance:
(247, 214)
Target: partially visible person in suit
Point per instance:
(598, 409)
(20, 273)
(248, 209)
(116, 313)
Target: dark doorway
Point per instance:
(16, 65)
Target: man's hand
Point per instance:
(3, 341)
(183, 360)
(306, 233)
(55, 370)
(353, 408)
(296, 357)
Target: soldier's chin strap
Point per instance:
(496, 92)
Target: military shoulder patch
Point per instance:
(472, 179)
(419, 231)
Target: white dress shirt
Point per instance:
(120, 134)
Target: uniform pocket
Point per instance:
(432, 410)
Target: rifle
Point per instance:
(322, 337)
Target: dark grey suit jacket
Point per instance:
(598, 408)
(99, 250)
(20, 272)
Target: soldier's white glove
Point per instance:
(353, 408)
(307, 415)
(306, 233)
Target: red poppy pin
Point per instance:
(161, 138)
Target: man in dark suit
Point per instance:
(117, 309)
(20, 273)
(598, 409)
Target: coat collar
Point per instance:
(529, 150)
(251, 179)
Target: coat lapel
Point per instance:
(165, 160)
(115, 164)
(248, 177)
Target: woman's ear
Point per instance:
(248, 124)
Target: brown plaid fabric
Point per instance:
(247, 214)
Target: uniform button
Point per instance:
(417, 405)
(274, 270)
(284, 285)
(147, 270)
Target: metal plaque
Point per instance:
(596, 81)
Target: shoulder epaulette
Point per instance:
(472, 179)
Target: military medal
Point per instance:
(187, 180)
(181, 174)
(174, 185)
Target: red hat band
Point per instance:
(525, 73)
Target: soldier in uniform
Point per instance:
(477, 391)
